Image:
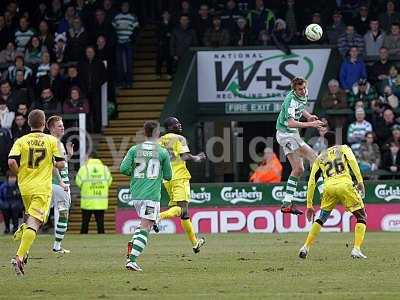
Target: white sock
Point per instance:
(57, 245)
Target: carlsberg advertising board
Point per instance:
(257, 75)
(248, 194)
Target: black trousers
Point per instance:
(10, 215)
(163, 56)
(86, 216)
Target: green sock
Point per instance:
(139, 243)
(290, 189)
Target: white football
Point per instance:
(313, 32)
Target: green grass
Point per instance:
(231, 266)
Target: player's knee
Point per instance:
(298, 170)
(185, 210)
(361, 216)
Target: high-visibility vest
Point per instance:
(94, 179)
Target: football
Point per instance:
(313, 32)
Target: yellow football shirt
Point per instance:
(176, 145)
(35, 153)
(336, 165)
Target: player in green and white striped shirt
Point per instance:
(287, 135)
(147, 164)
(61, 195)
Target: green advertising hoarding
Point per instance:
(247, 194)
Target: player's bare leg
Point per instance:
(187, 225)
(296, 162)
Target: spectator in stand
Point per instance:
(5, 33)
(39, 14)
(268, 170)
(319, 144)
(45, 35)
(10, 97)
(389, 98)
(393, 81)
(10, 202)
(19, 127)
(380, 69)
(7, 56)
(125, 25)
(77, 40)
(23, 88)
(357, 130)
(100, 26)
(216, 36)
(92, 75)
(103, 51)
(71, 80)
(392, 41)
(44, 67)
(362, 91)
(384, 125)
(34, 51)
(394, 138)
(23, 34)
(164, 32)
(373, 39)
(5, 147)
(6, 116)
(230, 15)
(54, 15)
(202, 22)
(261, 18)
(242, 36)
(352, 70)
(47, 102)
(109, 10)
(281, 36)
(336, 29)
(391, 161)
(362, 20)
(263, 38)
(54, 81)
(66, 22)
(23, 109)
(335, 98)
(18, 65)
(75, 102)
(60, 48)
(389, 17)
(183, 37)
(350, 39)
(291, 16)
(184, 9)
(369, 154)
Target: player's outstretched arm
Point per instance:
(292, 123)
(196, 158)
(309, 117)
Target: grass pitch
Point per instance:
(230, 266)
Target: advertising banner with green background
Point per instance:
(247, 194)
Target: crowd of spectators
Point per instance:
(55, 55)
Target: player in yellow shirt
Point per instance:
(178, 188)
(32, 158)
(335, 164)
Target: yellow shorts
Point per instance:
(37, 206)
(343, 192)
(178, 190)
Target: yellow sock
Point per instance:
(188, 227)
(312, 235)
(28, 236)
(359, 232)
(172, 212)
